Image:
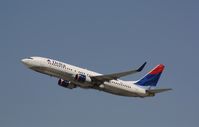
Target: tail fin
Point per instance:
(151, 79)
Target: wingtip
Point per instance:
(141, 67)
(170, 89)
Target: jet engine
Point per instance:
(82, 78)
(66, 84)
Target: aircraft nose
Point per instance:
(26, 62)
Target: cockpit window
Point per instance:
(30, 58)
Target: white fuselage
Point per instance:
(67, 72)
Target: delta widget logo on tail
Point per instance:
(151, 79)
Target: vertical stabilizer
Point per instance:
(151, 78)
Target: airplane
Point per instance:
(72, 76)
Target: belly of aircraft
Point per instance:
(121, 92)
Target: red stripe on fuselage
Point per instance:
(158, 69)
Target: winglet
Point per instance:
(141, 67)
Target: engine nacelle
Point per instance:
(82, 78)
(66, 84)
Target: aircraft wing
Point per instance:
(108, 77)
(158, 90)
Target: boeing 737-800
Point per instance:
(71, 77)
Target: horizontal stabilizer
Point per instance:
(158, 90)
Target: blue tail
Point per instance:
(151, 79)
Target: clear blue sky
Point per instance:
(105, 36)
